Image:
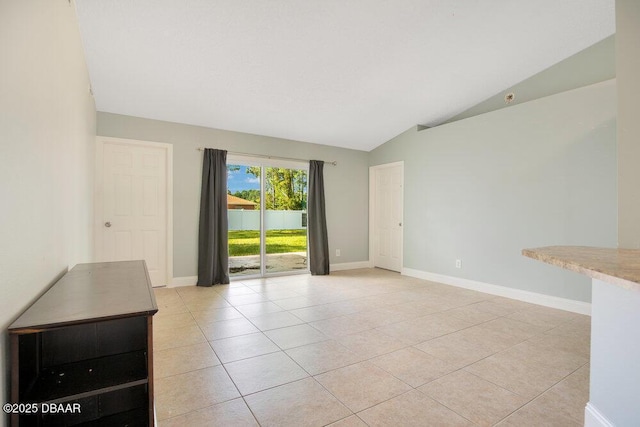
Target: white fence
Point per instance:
(274, 220)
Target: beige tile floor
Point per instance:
(364, 347)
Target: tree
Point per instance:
(285, 189)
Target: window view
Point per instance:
(243, 209)
(282, 247)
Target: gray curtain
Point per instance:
(213, 249)
(317, 221)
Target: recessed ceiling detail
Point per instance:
(351, 74)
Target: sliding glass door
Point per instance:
(267, 208)
(285, 219)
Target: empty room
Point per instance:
(314, 213)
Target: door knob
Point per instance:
(400, 224)
(107, 224)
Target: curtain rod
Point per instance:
(264, 156)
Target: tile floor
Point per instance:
(364, 347)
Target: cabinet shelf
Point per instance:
(72, 381)
(135, 418)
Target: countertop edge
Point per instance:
(579, 266)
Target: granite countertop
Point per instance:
(616, 266)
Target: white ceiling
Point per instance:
(349, 73)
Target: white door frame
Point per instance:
(98, 188)
(372, 205)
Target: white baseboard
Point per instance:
(192, 280)
(594, 418)
(526, 296)
(350, 265)
(183, 281)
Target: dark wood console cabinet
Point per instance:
(87, 343)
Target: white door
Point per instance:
(132, 222)
(387, 182)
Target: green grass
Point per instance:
(247, 242)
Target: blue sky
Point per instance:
(241, 180)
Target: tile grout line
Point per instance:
(223, 367)
(406, 345)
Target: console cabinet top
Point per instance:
(89, 292)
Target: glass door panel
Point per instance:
(285, 219)
(243, 208)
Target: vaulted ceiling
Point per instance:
(351, 73)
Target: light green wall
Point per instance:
(536, 174)
(47, 129)
(595, 64)
(346, 185)
(628, 67)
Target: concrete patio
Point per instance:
(250, 264)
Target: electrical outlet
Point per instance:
(458, 263)
(337, 252)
